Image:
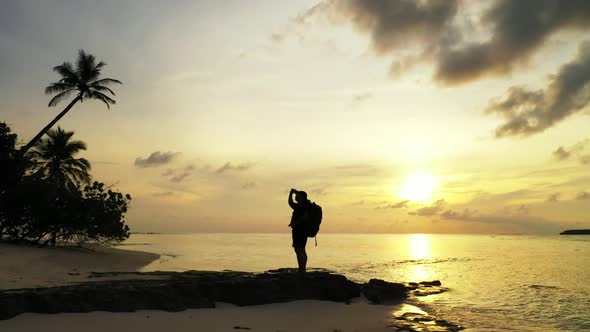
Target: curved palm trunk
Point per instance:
(26, 148)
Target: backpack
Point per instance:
(314, 221)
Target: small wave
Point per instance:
(411, 262)
(542, 287)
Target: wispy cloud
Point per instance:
(228, 167)
(164, 194)
(249, 185)
(527, 112)
(578, 150)
(156, 159)
(398, 205)
(178, 175)
(362, 98)
(431, 210)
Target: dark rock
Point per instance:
(379, 291)
(176, 291)
(413, 321)
(431, 283)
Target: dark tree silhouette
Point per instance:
(35, 207)
(84, 81)
(55, 159)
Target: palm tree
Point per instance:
(83, 81)
(55, 159)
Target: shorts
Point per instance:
(299, 238)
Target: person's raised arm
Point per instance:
(292, 204)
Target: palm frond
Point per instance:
(96, 69)
(58, 87)
(73, 147)
(66, 70)
(58, 98)
(85, 65)
(102, 88)
(79, 175)
(82, 164)
(105, 82)
(102, 97)
(55, 158)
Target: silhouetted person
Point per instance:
(301, 213)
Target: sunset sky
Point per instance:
(395, 116)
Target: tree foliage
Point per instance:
(36, 208)
(55, 158)
(82, 79)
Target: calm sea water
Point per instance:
(519, 283)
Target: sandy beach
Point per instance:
(306, 315)
(29, 267)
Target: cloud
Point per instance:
(156, 159)
(248, 185)
(515, 210)
(524, 222)
(164, 194)
(466, 214)
(553, 198)
(529, 112)
(446, 33)
(561, 153)
(227, 167)
(398, 205)
(577, 149)
(179, 174)
(319, 191)
(361, 98)
(168, 172)
(430, 210)
(300, 20)
(180, 177)
(396, 27)
(582, 196)
(519, 28)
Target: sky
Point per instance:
(443, 116)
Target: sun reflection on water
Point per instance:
(419, 246)
(419, 249)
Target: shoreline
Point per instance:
(24, 266)
(303, 315)
(53, 274)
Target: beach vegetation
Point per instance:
(46, 197)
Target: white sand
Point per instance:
(26, 267)
(308, 316)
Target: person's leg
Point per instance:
(299, 242)
(301, 258)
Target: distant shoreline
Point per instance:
(576, 232)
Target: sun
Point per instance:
(419, 186)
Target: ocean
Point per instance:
(516, 283)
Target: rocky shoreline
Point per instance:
(178, 291)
